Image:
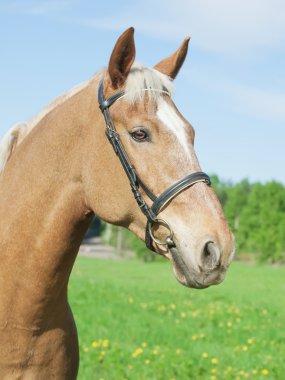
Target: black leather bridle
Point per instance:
(136, 182)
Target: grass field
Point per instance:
(136, 322)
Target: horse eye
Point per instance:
(139, 135)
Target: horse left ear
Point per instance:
(172, 64)
(122, 58)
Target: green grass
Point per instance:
(136, 322)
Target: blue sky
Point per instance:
(231, 88)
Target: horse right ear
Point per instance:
(171, 65)
(122, 58)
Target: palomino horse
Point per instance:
(59, 170)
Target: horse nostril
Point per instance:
(210, 257)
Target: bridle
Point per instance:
(159, 202)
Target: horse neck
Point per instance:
(43, 212)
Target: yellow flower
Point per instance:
(214, 370)
(183, 315)
(105, 343)
(85, 349)
(154, 352)
(244, 348)
(264, 372)
(144, 344)
(130, 300)
(173, 306)
(178, 351)
(147, 362)
(213, 377)
(250, 340)
(95, 344)
(214, 360)
(137, 352)
(194, 337)
(205, 355)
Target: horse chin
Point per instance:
(189, 277)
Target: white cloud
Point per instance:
(216, 25)
(259, 102)
(36, 7)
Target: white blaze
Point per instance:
(168, 116)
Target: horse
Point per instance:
(59, 170)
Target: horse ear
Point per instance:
(172, 64)
(122, 58)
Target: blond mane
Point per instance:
(140, 78)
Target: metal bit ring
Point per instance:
(168, 240)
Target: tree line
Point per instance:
(256, 215)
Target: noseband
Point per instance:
(136, 182)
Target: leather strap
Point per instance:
(179, 186)
(169, 194)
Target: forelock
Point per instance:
(145, 81)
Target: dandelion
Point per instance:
(205, 355)
(137, 352)
(85, 349)
(130, 300)
(183, 315)
(250, 341)
(102, 355)
(95, 344)
(154, 352)
(147, 361)
(105, 343)
(229, 324)
(194, 337)
(244, 348)
(178, 351)
(264, 372)
(172, 306)
(144, 344)
(214, 360)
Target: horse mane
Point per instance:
(10, 140)
(140, 78)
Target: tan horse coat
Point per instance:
(62, 173)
